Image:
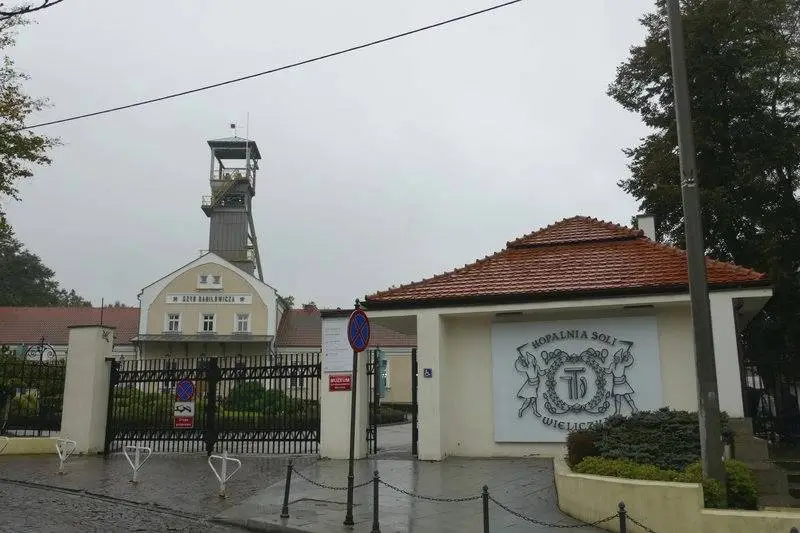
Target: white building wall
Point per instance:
(676, 345)
(467, 400)
(726, 354)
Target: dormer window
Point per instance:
(209, 281)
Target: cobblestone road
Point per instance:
(27, 509)
(183, 486)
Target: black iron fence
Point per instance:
(31, 396)
(772, 400)
(251, 404)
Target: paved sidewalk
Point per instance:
(524, 485)
(182, 482)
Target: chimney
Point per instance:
(647, 223)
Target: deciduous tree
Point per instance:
(743, 61)
(20, 151)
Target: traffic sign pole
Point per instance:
(358, 333)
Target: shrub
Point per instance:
(26, 403)
(580, 445)
(741, 486)
(665, 438)
(247, 396)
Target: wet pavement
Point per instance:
(180, 493)
(173, 492)
(423, 497)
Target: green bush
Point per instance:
(254, 397)
(580, 445)
(665, 438)
(25, 404)
(247, 396)
(741, 486)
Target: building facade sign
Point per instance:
(556, 377)
(209, 298)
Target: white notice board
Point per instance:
(337, 355)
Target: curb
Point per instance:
(258, 525)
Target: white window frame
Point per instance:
(249, 328)
(201, 325)
(209, 282)
(167, 322)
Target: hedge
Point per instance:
(741, 485)
(135, 409)
(667, 439)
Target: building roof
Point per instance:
(302, 328)
(27, 325)
(234, 148)
(576, 257)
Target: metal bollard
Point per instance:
(485, 497)
(623, 518)
(285, 508)
(64, 448)
(223, 476)
(376, 526)
(137, 461)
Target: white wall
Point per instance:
(468, 405)
(543, 370)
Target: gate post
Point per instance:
(86, 387)
(113, 379)
(212, 433)
(414, 406)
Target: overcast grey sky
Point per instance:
(380, 167)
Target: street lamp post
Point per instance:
(708, 397)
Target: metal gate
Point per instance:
(243, 404)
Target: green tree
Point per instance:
(287, 301)
(20, 150)
(743, 62)
(26, 281)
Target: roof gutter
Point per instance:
(427, 303)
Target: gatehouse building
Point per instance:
(562, 328)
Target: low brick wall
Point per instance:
(28, 446)
(663, 507)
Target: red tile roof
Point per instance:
(302, 328)
(578, 256)
(29, 324)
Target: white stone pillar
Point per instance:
(429, 356)
(86, 385)
(726, 355)
(335, 405)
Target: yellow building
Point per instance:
(207, 308)
(215, 306)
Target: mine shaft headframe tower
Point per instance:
(232, 233)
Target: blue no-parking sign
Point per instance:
(358, 330)
(184, 390)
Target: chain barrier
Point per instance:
(646, 529)
(430, 498)
(547, 524)
(329, 487)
